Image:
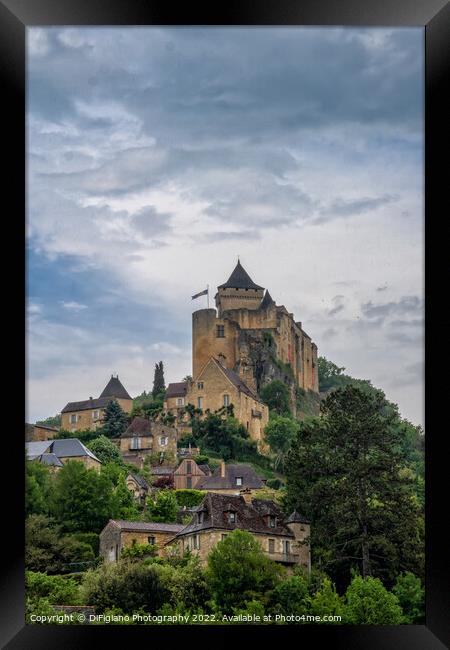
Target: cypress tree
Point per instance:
(159, 385)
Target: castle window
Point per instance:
(200, 402)
(200, 385)
(226, 400)
(232, 517)
(271, 546)
(220, 331)
(151, 540)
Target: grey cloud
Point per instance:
(148, 222)
(243, 235)
(335, 310)
(406, 305)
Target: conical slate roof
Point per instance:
(296, 517)
(239, 279)
(114, 388)
(267, 300)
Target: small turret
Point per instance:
(238, 292)
(300, 526)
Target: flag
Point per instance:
(202, 293)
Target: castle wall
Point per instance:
(229, 298)
(206, 343)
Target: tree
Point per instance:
(224, 435)
(105, 450)
(411, 596)
(279, 434)
(189, 497)
(344, 473)
(291, 596)
(159, 385)
(127, 584)
(125, 504)
(52, 421)
(115, 420)
(57, 589)
(367, 602)
(276, 396)
(238, 571)
(83, 499)
(38, 481)
(330, 375)
(326, 601)
(164, 508)
(186, 584)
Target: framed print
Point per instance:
(234, 323)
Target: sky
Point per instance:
(156, 156)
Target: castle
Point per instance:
(242, 345)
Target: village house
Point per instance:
(119, 534)
(188, 473)
(36, 432)
(144, 437)
(231, 479)
(57, 452)
(284, 540)
(138, 486)
(88, 414)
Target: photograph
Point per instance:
(225, 254)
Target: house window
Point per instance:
(189, 482)
(135, 443)
(200, 385)
(220, 331)
(180, 401)
(232, 517)
(272, 521)
(226, 400)
(95, 415)
(200, 402)
(73, 419)
(287, 546)
(238, 480)
(271, 546)
(200, 517)
(196, 541)
(163, 440)
(151, 540)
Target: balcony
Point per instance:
(286, 558)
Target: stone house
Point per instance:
(118, 534)
(231, 479)
(88, 414)
(218, 387)
(138, 486)
(57, 452)
(36, 432)
(284, 540)
(175, 397)
(144, 437)
(188, 473)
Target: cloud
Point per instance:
(406, 305)
(72, 305)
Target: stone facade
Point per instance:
(144, 437)
(214, 389)
(36, 432)
(119, 534)
(188, 474)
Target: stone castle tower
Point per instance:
(253, 336)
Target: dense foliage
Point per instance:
(115, 420)
(276, 396)
(159, 385)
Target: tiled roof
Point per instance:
(114, 388)
(146, 526)
(140, 426)
(85, 405)
(249, 516)
(239, 279)
(236, 380)
(50, 459)
(64, 448)
(177, 389)
(249, 479)
(267, 300)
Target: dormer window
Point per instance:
(238, 480)
(200, 517)
(231, 517)
(272, 521)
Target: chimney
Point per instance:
(90, 398)
(246, 494)
(222, 469)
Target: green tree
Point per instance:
(224, 435)
(38, 485)
(276, 396)
(59, 590)
(185, 583)
(189, 497)
(291, 596)
(411, 596)
(52, 421)
(105, 450)
(159, 386)
(238, 571)
(279, 434)
(330, 375)
(115, 420)
(368, 602)
(326, 601)
(127, 584)
(43, 548)
(163, 508)
(344, 473)
(126, 506)
(83, 499)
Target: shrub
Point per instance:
(189, 498)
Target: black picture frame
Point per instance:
(434, 16)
